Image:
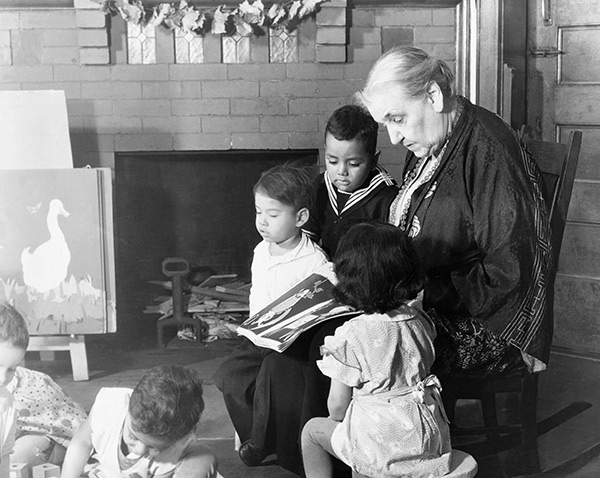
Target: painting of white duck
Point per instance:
(45, 268)
(56, 249)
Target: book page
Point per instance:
(302, 307)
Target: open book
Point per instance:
(305, 305)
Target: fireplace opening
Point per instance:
(195, 204)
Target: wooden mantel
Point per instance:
(24, 4)
(479, 61)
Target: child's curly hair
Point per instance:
(13, 328)
(377, 268)
(167, 402)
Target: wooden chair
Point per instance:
(557, 163)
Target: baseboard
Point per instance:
(575, 353)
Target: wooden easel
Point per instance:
(75, 344)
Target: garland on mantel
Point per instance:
(247, 19)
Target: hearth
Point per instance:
(194, 204)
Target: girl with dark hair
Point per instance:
(386, 417)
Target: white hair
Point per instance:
(410, 69)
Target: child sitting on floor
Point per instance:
(147, 431)
(386, 414)
(14, 339)
(353, 187)
(47, 418)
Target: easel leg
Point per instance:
(78, 353)
(75, 344)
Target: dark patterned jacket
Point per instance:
(481, 229)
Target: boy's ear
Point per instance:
(301, 217)
(375, 159)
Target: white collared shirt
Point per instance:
(272, 276)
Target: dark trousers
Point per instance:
(270, 396)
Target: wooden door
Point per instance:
(563, 94)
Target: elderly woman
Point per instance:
(471, 200)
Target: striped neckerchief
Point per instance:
(381, 177)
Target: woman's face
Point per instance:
(416, 123)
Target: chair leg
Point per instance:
(449, 402)
(531, 460)
(490, 416)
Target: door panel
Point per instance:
(584, 203)
(576, 300)
(579, 254)
(575, 11)
(563, 94)
(588, 167)
(576, 104)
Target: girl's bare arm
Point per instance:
(339, 398)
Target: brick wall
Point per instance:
(167, 106)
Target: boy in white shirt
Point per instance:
(286, 256)
(283, 197)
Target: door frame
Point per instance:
(479, 72)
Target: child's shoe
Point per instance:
(250, 454)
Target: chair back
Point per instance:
(557, 163)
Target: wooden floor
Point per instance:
(571, 449)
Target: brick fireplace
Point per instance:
(210, 106)
(197, 205)
(176, 110)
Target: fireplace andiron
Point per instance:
(176, 268)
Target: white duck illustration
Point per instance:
(46, 267)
